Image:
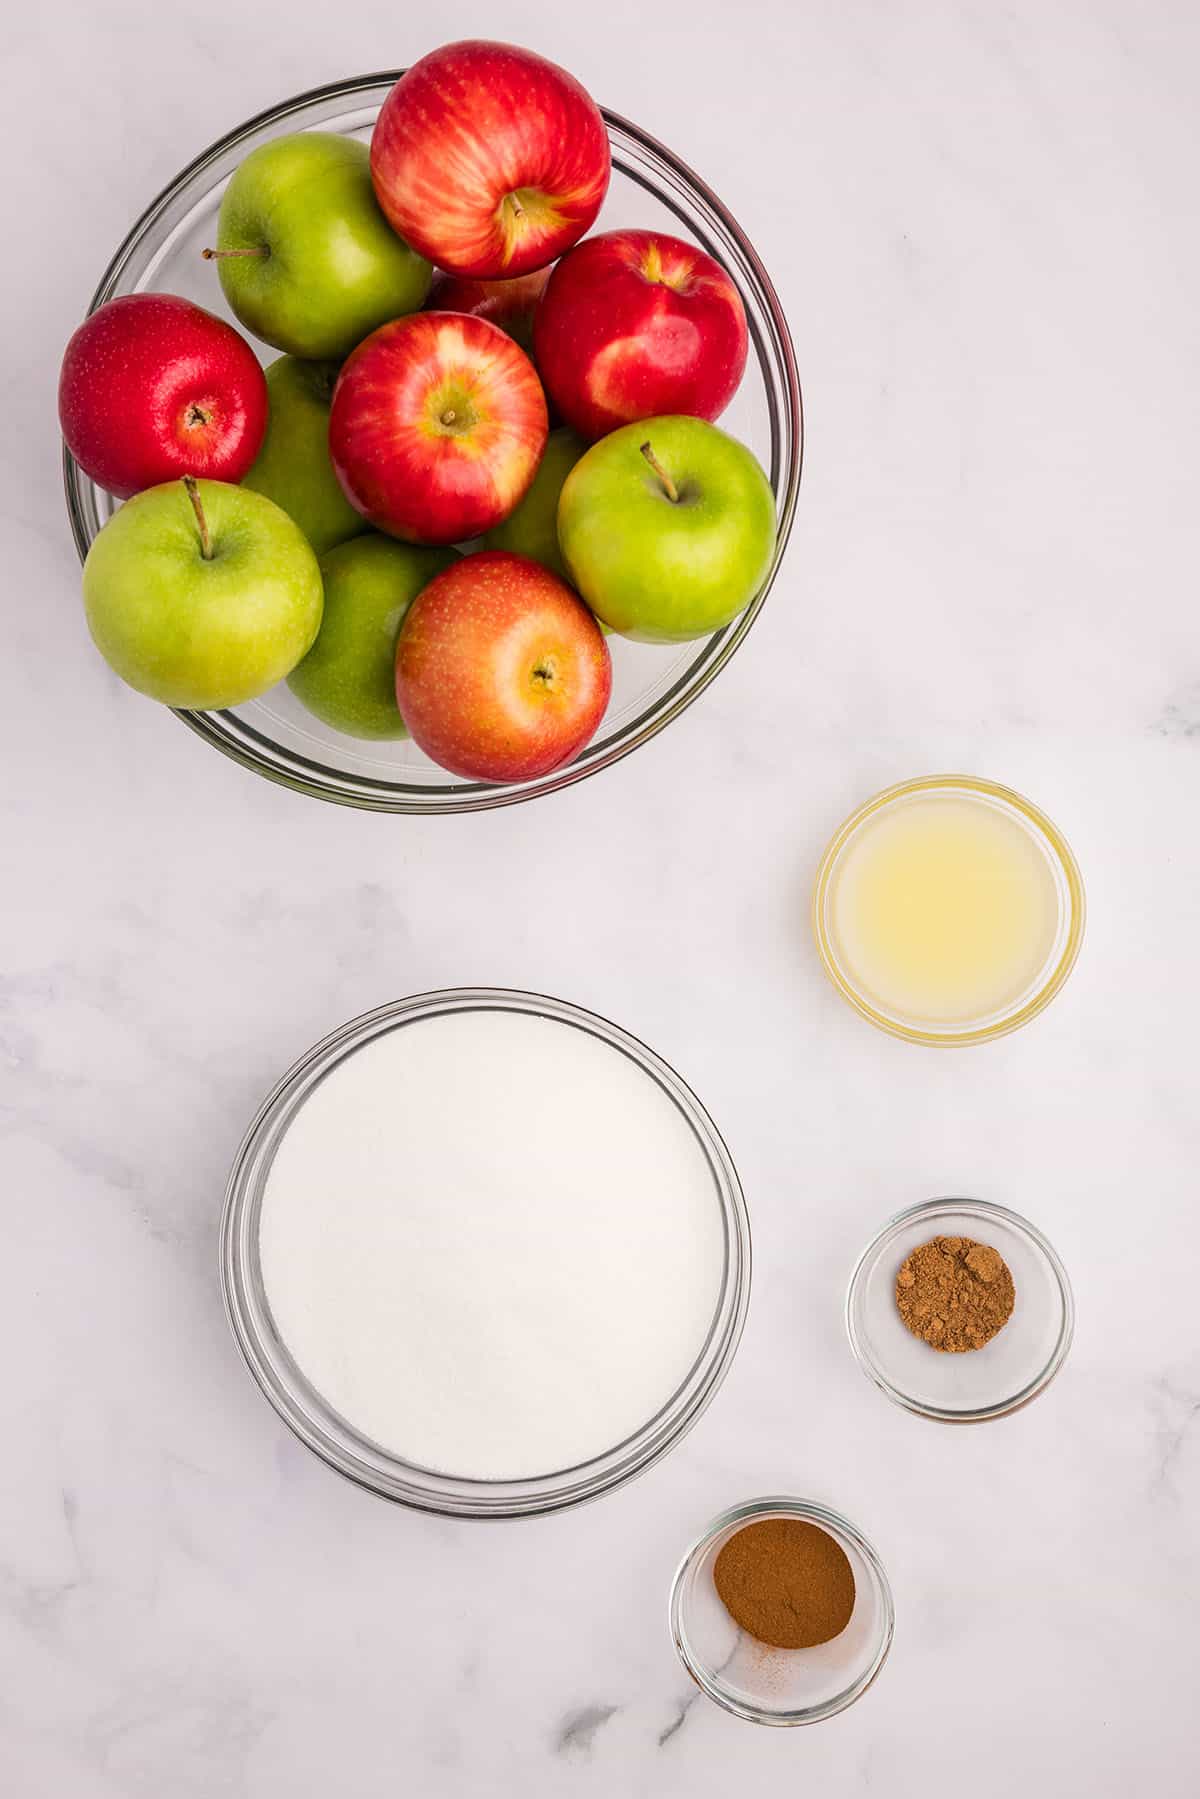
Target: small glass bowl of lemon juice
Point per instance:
(948, 910)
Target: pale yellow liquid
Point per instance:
(944, 910)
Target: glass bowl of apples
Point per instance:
(651, 189)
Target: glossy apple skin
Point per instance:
(196, 632)
(489, 160)
(635, 325)
(437, 427)
(293, 466)
(502, 673)
(659, 569)
(532, 528)
(153, 387)
(348, 678)
(509, 304)
(333, 269)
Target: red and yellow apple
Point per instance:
(153, 387)
(509, 304)
(636, 325)
(437, 427)
(488, 159)
(502, 673)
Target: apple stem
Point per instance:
(193, 494)
(669, 487)
(517, 209)
(252, 250)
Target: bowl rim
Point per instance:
(253, 749)
(330, 1436)
(949, 1206)
(838, 1526)
(1073, 910)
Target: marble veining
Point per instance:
(577, 1735)
(1180, 717)
(981, 223)
(679, 1720)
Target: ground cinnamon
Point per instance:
(786, 1582)
(955, 1293)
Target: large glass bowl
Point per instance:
(337, 1441)
(652, 684)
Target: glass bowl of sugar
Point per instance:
(759, 1681)
(485, 1253)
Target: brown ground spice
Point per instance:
(786, 1582)
(955, 1293)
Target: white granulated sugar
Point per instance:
(492, 1243)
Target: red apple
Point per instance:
(153, 387)
(489, 160)
(509, 304)
(437, 427)
(502, 673)
(638, 325)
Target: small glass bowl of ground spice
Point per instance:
(960, 1310)
(781, 1612)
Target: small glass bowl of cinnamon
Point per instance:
(757, 1680)
(1012, 1366)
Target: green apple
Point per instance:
(348, 678)
(293, 466)
(532, 529)
(201, 594)
(306, 258)
(667, 528)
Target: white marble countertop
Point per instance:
(982, 224)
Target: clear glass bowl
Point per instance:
(1068, 885)
(780, 1686)
(651, 187)
(331, 1436)
(1017, 1364)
